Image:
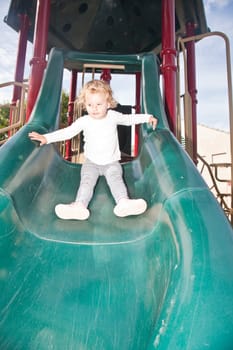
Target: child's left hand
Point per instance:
(153, 122)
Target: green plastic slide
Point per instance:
(162, 280)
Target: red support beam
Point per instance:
(191, 77)
(106, 75)
(168, 55)
(38, 61)
(21, 55)
(137, 110)
(20, 60)
(70, 113)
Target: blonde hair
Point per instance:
(96, 86)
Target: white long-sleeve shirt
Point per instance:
(101, 144)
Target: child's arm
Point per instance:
(133, 119)
(59, 135)
(35, 136)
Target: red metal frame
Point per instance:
(192, 88)
(21, 55)
(106, 75)
(168, 55)
(137, 110)
(70, 113)
(38, 61)
(20, 61)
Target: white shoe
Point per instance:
(126, 207)
(75, 210)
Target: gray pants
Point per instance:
(90, 173)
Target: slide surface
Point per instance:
(162, 280)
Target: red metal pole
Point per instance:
(191, 77)
(38, 61)
(137, 110)
(70, 113)
(168, 55)
(106, 75)
(20, 61)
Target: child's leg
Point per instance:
(113, 174)
(78, 210)
(125, 206)
(89, 177)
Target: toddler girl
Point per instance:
(101, 151)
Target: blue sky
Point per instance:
(212, 108)
(212, 104)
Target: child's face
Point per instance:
(96, 104)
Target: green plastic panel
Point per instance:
(162, 280)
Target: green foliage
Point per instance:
(4, 118)
(4, 115)
(64, 108)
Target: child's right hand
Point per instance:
(35, 136)
(153, 121)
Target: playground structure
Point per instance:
(190, 27)
(151, 282)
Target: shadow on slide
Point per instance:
(162, 280)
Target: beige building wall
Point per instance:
(214, 146)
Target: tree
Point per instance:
(64, 108)
(4, 115)
(4, 118)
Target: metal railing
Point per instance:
(17, 111)
(222, 197)
(188, 132)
